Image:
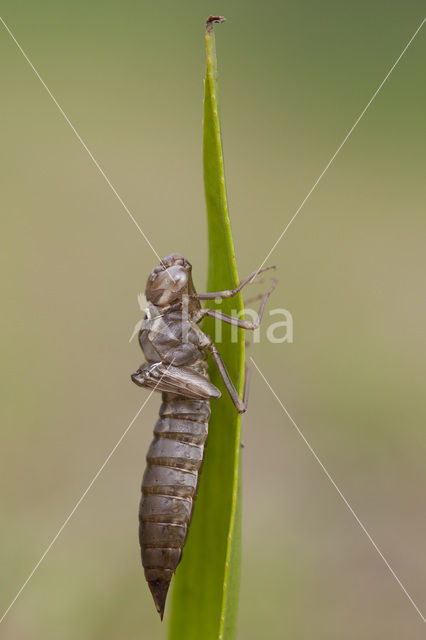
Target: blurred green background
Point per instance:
(293, 77)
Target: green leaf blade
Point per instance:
(205, 595)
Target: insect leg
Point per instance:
(237, 322)
(253, 299)
(229, 293)
(247, 374)
(240, 405)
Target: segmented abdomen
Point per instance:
(169, 487)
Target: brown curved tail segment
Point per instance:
(169, 489)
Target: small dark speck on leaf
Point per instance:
(212, 20)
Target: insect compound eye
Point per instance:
(174, 278)
(167, 285)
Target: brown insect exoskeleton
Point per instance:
(175, 349)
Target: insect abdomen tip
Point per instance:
(159, 589)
